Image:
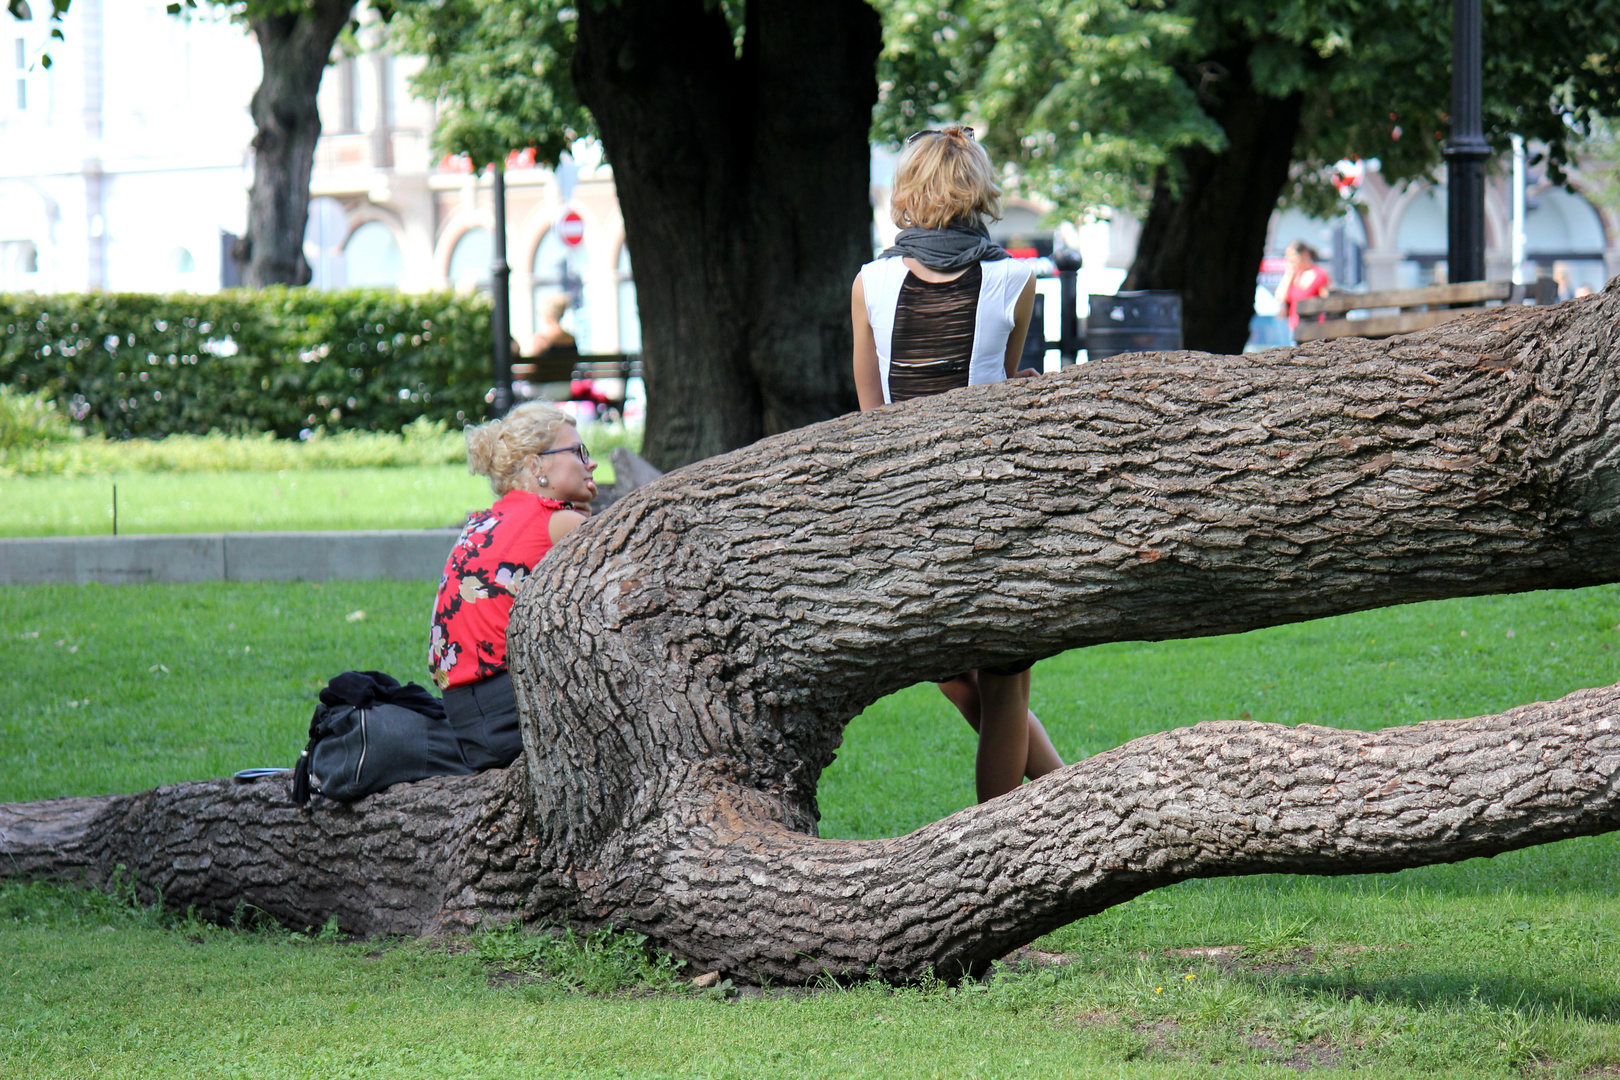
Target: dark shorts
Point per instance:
(485, 718)
(1004, 670)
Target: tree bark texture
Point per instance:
(686, 664)
(744, 182)
(1205, 237)
(295, 48)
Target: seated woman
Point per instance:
(541, 473)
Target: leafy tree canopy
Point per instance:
(1090, 98)
(501, 70)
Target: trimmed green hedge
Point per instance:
(131, 365)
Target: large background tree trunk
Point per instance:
(1205, 239)
(295, 48)
(686, 663)
(744, 183)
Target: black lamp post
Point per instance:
(500, 319)
(1070, 341)
(1466, 150)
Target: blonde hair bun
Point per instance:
(498, 448)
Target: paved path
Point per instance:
(406, 554)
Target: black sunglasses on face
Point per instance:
(578, 450)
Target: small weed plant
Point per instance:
(604, 961)
(30, 422)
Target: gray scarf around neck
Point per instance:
(959, 244)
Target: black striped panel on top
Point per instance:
(932, 346)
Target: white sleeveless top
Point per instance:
(1003, 281)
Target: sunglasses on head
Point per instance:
(915, 135)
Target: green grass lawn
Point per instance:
(187, 484)
(1501, 967)
(414, 497)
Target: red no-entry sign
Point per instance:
(571, 229)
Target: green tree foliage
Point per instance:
(1601, 161)
(1079, 94)
(501, 70)
(1092, 97)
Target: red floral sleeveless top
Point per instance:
(486, 568)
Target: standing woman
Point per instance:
(1302, 280)
(942, 309)
(540, 472)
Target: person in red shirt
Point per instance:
(541, 475)
(1302, 279)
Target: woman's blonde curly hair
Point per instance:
(944, 176)
(499, 449)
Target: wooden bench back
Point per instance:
(1417, 309)
(567, 364)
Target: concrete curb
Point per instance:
(400, 554)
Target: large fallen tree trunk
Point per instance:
(687, 663)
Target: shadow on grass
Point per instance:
(1456, 988)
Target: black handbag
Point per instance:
(369, 733)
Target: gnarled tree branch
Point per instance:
(686, 664)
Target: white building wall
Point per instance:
(123, 154)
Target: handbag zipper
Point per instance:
(361, 764)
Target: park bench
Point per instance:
(565, 364)
(1400, 311)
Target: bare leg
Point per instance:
(963, 692)
(1003, 734)
(1043, 756)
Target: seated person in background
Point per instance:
(551, 333)
(541, 473)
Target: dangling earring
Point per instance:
(543, 481)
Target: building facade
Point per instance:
(122, 168)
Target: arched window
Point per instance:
(469, 262)
(559, 268)
(1421, 239)
(373, 257)
(19, 266)
(1563, 236)
(629, 313)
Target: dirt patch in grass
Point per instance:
(1212, 952)
(1319, 1054)
(1036, 958)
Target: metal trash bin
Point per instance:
(1147, 320)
